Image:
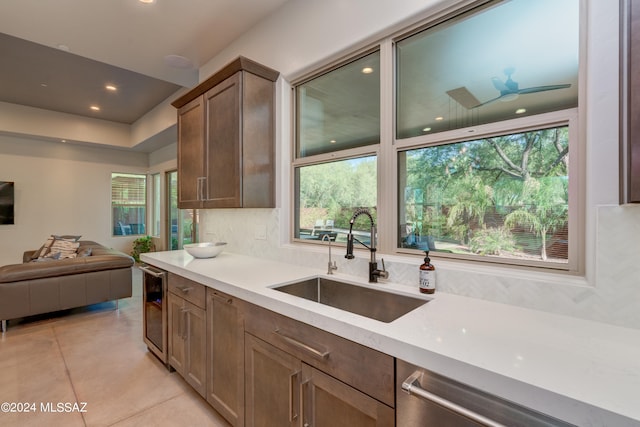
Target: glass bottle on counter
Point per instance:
(427, 276)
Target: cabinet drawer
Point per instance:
(187, 289)
(361, 367)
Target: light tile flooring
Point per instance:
(94, 356)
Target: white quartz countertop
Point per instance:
(585, 372)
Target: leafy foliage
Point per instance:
(516, 181)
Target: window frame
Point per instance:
(530, 123)
(387, 150)
(146, 204)
(333, 156)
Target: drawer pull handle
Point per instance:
(186, 289)
(152, 272)
(294, 382)
(412, 386)
(306, 347)
(221, 298)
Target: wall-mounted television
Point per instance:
(6, 202)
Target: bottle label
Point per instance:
(427, 279)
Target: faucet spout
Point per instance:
(330, 266)
(374, 273)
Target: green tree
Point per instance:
(545, 212)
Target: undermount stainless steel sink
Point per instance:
(372, 303)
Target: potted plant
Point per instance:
(141, 245)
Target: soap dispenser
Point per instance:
(427, 276)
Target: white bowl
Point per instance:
(205, 249)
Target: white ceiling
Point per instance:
(78, 44)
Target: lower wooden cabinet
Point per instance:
(272, 385)
(187, 341)
(327, 402)
(225, 356)
(281, 390)
(258, 368)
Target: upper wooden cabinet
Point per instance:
(226, 139)
(630, 102)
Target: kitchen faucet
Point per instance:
(374, 273)
(330, 266)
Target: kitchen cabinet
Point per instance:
(630, 68)
(225, 356)
(296, 374)
(187, 331)
(191, 153)
(226, 139)
(272, 384)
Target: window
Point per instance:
(503, 196)
(329, 194)
(479, 156)
(128, 203)
(338, 131)
(459, 74)
(340, 109)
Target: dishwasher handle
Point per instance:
(412, 386)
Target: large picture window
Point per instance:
(128, 203)
(504, 196)
(471, 127)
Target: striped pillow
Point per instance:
(66, 248)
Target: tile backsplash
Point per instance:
(613, 297)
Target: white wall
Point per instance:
(60, 189)
(304, 33)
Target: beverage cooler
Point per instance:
(154, 297)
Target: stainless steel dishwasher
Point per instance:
(426, 399)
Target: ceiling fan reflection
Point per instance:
(508, 89)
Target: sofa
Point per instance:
(35, 287)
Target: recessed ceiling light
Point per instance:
(521, 110)
(333, 141)
(367, 70)
(146, 1)
(95, 108)
(426, 129)
(439, 119)
(111, 88)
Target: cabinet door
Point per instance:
(225, 357)
(328, 402)
(224, 153)
(191, 154)
(272, 385)
(176, 318)
(196, 348)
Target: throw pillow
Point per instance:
(44, 249)
(66, 248)
(84, 252)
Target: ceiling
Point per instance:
(59, 55)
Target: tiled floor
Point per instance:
(95, 357)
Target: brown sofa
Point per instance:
(42, 287)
